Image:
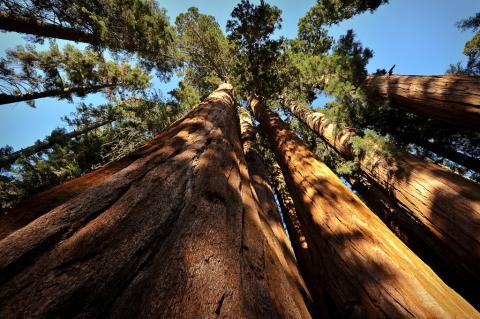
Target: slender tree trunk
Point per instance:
(7, 98)
(269, 215)
(48, 143)
(26, 25)
(448, 153)
(452, 99)
(364, 269)
(175, 234)
(444, 203)
(298, 239)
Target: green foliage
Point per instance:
(471, 49)
(203, 48)
(186, 95)
(26, 70)
(135, 120)
(259, 59)
(138, 26)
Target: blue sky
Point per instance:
(419, 36)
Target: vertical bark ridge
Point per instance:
(453, 99)
(444, 203)
(269, 219)
(365, 270)
(158, 237)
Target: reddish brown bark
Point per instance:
(365, 270)
(174, 234)
(446, 205)
(269, 215)
(450, 98)
(299, 240)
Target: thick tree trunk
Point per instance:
(269, 214)
(364, 269)
(39, 28)
(175, 234)
(444, 203)
(7, 98)
(46, 144)
(412, 233)
(450, 98)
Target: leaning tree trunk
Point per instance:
(452, 99)
(446, 205)
(13, 98)
(269, 214)
(298, 239)
(48, 143)
(441, 150)
(364, 269)
(9, 22)
(175, 234)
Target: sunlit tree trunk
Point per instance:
(174, 234)
(364, 269)
(7, 98)
(298, 239)
(453, 99)
(269, 214)
(446, 205)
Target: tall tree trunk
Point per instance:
(41, 203)
(269, 214)
(365, 270)
(448, 153)
(444, 203)
(26, 25)
(175, 234)
(48, 143)
(7, 98)
(452, 99)
(298, 239)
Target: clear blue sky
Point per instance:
(419, 36)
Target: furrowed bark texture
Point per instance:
(174, 234)
(269, 215)
(298, 240)
(450, 98)
(446, 205)
(7, 98)
(364, 269)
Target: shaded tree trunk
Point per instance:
(444, 203)
(452, 99)
(7, 98)
(48, 143)
(175, 234)
(269, 214)
(21, 24)
(364, 269)
(298, 239)
(448, 153)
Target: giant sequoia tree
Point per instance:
(173, 210)
(363, 269)
(190, 190)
